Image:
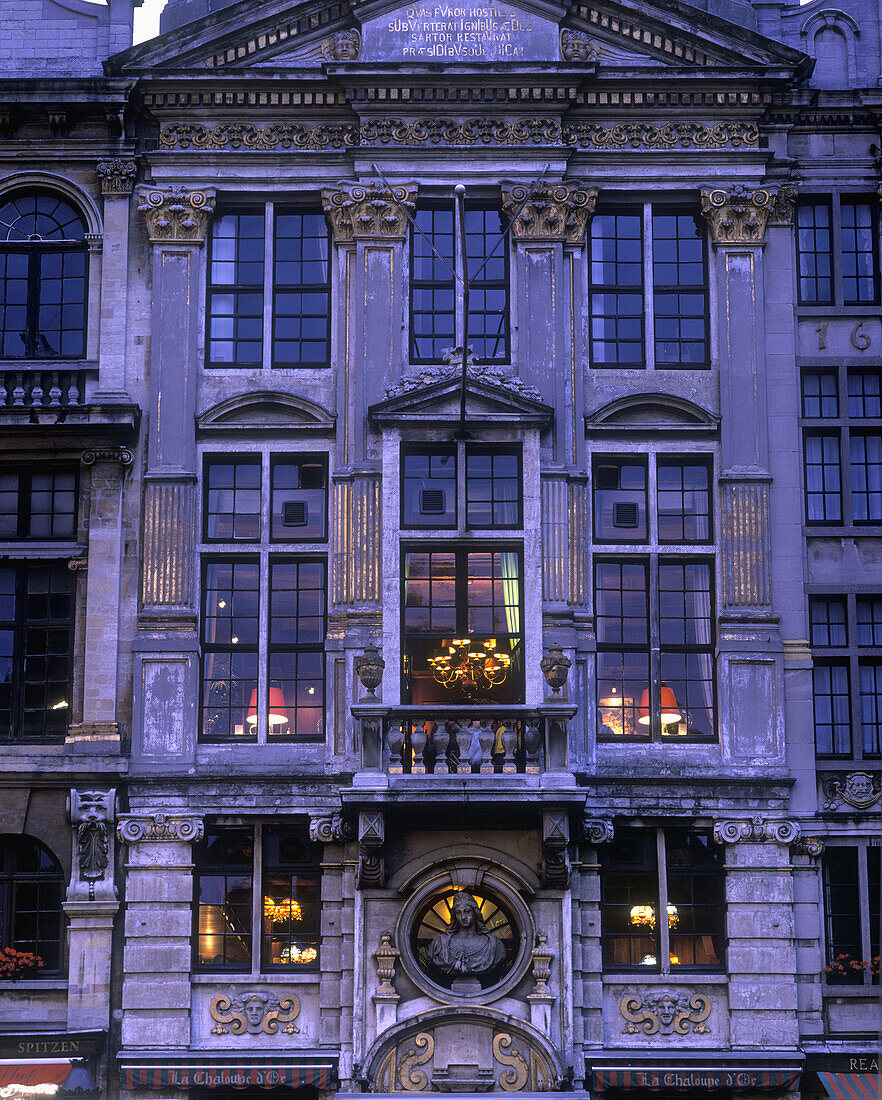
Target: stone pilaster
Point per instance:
(356, 528)
(807, 924)
(549, 222)
(759, 924)
(91, 907)
(157, 945)
(117, 177)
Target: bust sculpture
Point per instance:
(467, 946)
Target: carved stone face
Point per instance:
(464, 911)
(254, 1010)
(667, 1010)
(860, 786)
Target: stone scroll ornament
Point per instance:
(756, 830)
(665, 1014)
(255, 1012)
(134, 828)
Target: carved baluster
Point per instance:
(4, 390)
(476, 749)
(75, 396)
(487, 738)
(37, 391)
(54, 391)
(395, 744)
(532, 744)
(18, 394)
(453, 750)
(430, 752)
(418, 746)
(510, 747)
(439, 740)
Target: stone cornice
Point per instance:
(176, 213)
(133, 828)
(553, 212)
(367, 211)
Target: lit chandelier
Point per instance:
(471, 667)
(645, 914)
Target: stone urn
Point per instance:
(369, 669)
(555, 668)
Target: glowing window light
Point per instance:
(282, 910)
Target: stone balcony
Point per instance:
(54, 393)
(483, 751)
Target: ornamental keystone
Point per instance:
(368, 211)
(739, 215)
(553, 212)
(176, 213)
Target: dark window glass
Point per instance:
(616, 267)
(493, 487)
(873, 899)
(299, 499)
(843, 912)
(296, 643)
(866, 476)
(832, 709)
(36, 627)
(230, 619)
(822, 478)
(814, 250)
(463, 639)
(31, 894)
(819, 395)
(487, 274)
(290, 905)
(222, 880)
(232, 504)
(679, 301)
(429, 488)
(432, 286)
(686, 692)
(859, 276)
(42, 279)
(828, 621)
(38, 505)
(695, 900)
(620, 499)
(683, 500)
(869, 621)
(629, 901)
(864, 394)
(235, 289)
(871, 707)
(301, 291)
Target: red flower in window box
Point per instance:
(18, 964)
(847, 967)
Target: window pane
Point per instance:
(429, 488)
(432, 299)
(299, 500)
(871, 708)
(859, 277)
(814, 251)
(622, 680)
(683, 501)
(864, 394)
(619, 500)
(696, 909)
(493, 488)
(680, 314)
(629, 901)
(235, 295)
(621, 603)
(232, 508)
(866, 477)
(822, 485)
(820, 398)
(844, 950)
(832, 709)
(869, 620)
(297, 636)
(828, 624)
(487, 272)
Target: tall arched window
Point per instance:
(31, 892)
(43, 261)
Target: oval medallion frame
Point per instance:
(486, 885)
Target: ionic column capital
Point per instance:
(368, 211)
(756, 830)
(554, 212)
(133, 828)
(740, 214)
(177, 213)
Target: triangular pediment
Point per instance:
(313, 34)
(416, 400)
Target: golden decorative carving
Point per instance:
(255, 1012)
(176, 213)
(468, 132)
(739, 215)
(665, 1013)
(747, 545)
(410, 1078)
(117, 177)
(166, 579)
(554, 211)
(785, 200)
(359, 211)
(513, 1079)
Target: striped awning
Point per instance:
(851, 1086)
(682, 1079)
(216, 1073)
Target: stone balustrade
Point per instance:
(44, 388)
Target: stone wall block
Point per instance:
(167, 920)
(158, 957)
(760, 958)
(172, 992)
(169, 889)
(762, 997)
(163, 1028)
(763, 1030)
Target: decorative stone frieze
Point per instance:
(861, 790)
(371, 838)
(332, 829)
(665, 1013)
(598, 830)
(755, 830)
(578, 46)
(117, 177)
(739, 215)
(342, 46)
(133, 828)
(122, 455)
(551, 212)
(555, 838)
(255, 1012)
(92, 814)
(176, 213)
(368, 211)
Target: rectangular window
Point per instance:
(844, 228)
(683, 498)
(462, 614)
(620, 499)
(436, 293)
(429, 486)
(38, 504)
(846, 638)
(648, 262)
(264, 613)
(493, 487)
(851, 907)
(274, 254)
(36, 636)
(275, 928)
(428, 497)
(673, 871)
(837, 438)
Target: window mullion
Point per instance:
(863, 899)
(263, 646)
(268, 284)
(836, 249)
(257, 903)
(648, 291)
(461, 460)
(664, 937)
(32, 322)
(654, 650)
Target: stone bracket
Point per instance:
(331, 829)
(91, 814)
(371, 838)
(555, 839)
